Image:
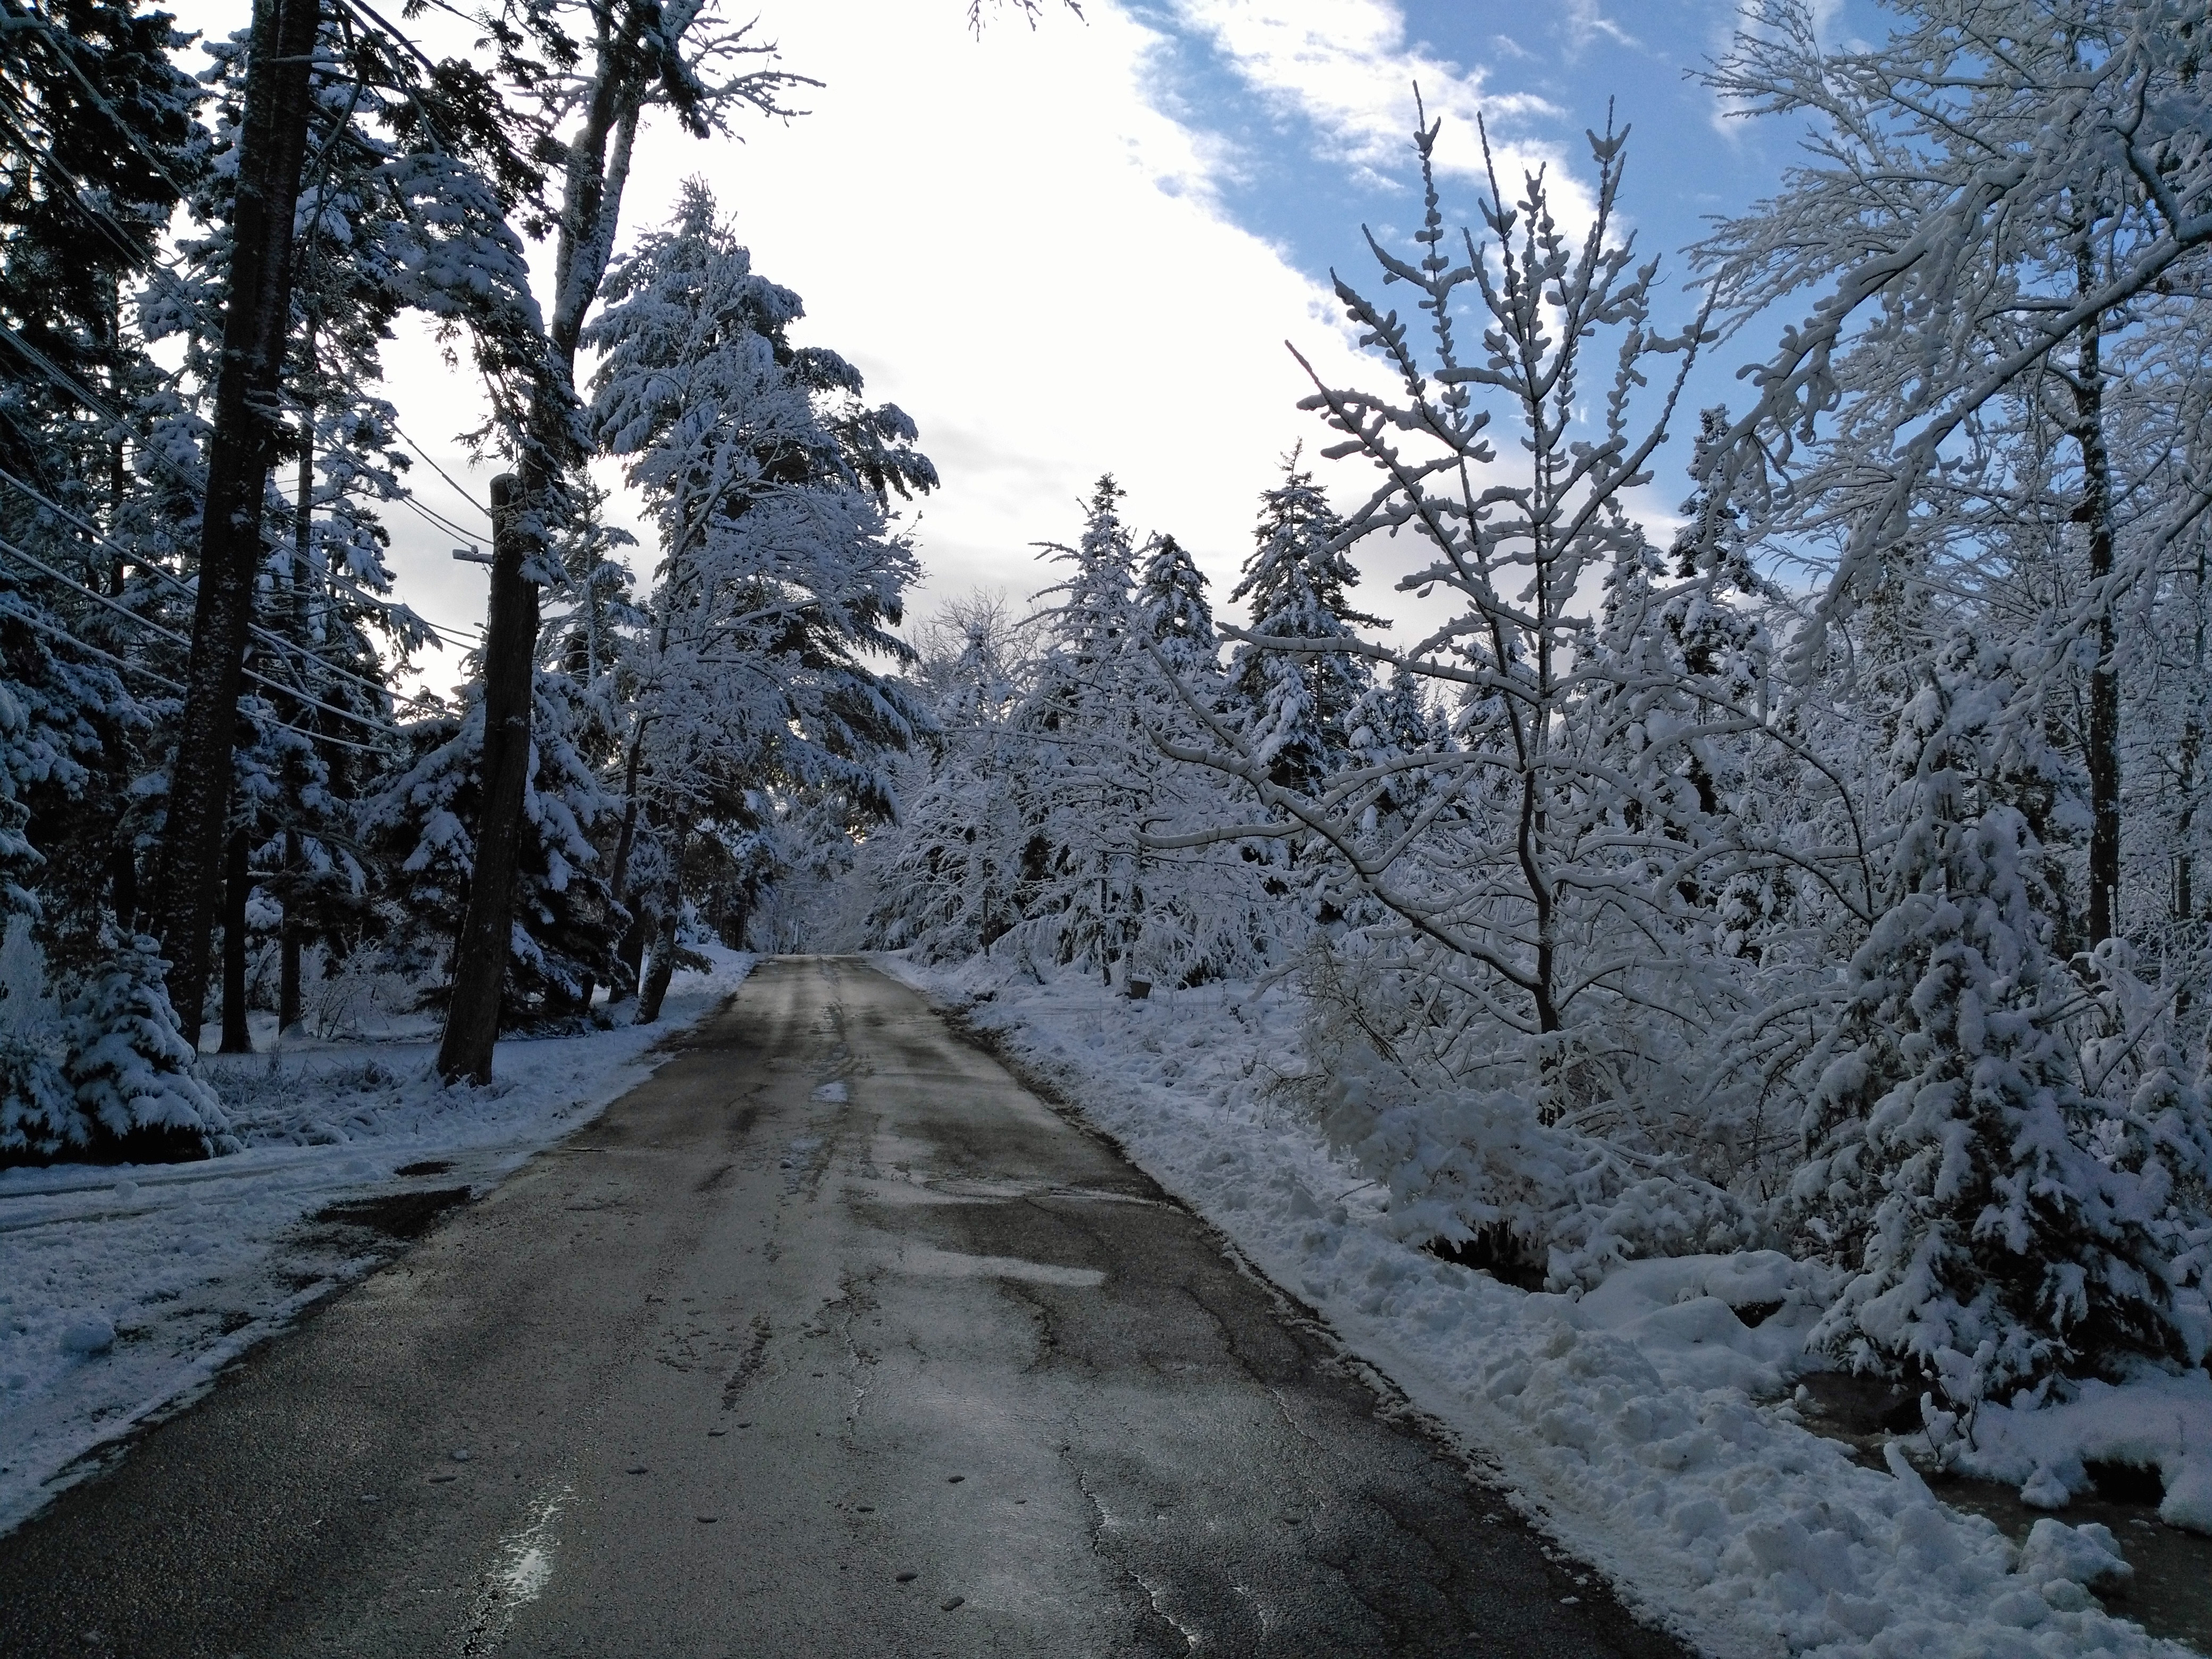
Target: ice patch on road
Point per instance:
(951, 1264)
(834, 1093)
(519, 1577)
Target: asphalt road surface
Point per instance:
(830, 1339)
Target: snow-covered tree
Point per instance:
(419, 823)
(2006, 1211)
(130, 1072)
(950, 880)
(1995, 197)
(1299, 697)
(1079, 894)
(781, 569)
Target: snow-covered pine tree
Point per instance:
(1079, 895)
(418, 824)
(781, 572)
(2006, 1213)
(131, 1072)
(1173, 614)
(950, 880)
(1207, 911)
(99, 142)
(385, 223)
(1297, 581)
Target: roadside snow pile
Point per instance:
(2154, 1421)
(1624, 1416)
(125, 1289)
(1711, 1322)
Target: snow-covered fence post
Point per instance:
(510, 642)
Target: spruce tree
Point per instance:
(2007, 1216)
(782, 572)
(1296, 582)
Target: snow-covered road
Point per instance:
(828, 1339)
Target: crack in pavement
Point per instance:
(749, 1362)
(1100, 1525)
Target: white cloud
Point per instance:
(1586, 22)
(1014, 245)
(1348, 67)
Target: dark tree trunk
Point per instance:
(480, 953)
(122, 885)
(629, 949)
(654, 989)
(257, 316)
(2103, 742)
(599, 157)
(237, 881)
(289, 1009)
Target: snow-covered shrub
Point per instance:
(1492, 1174)
(38, 1115)
(129, 1069)
(2007, 1215)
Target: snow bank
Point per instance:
(2154, 1421)
(1622, 1417)
(124, 1289)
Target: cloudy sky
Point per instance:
(1081, 247)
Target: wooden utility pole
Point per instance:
(271, 147)
(480, 951)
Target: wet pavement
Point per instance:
(830, 1339)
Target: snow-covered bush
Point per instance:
(130, 1072)
(2007, 1215)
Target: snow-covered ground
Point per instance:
(124, 1289)
(1627, 1417)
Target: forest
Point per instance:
(1814, 872)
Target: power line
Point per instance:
(434, 466)
(173, 580)
(438, 520)
(186, 476)
(32, 619)
(171, 634)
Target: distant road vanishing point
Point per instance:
(830, 1339)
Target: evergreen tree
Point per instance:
(418, 824)
(2006, 1216)
(130, 1072)
(951, 887)
(1079, 894)
(1296, 582)
(781, 569)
